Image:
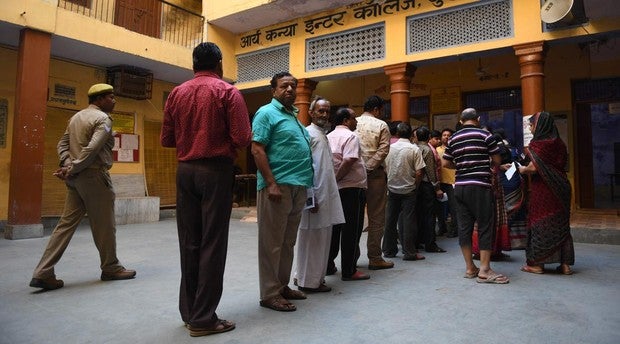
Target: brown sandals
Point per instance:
(279, 304)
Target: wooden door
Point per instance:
(142, 16)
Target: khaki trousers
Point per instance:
(376, 197)
(89, 192)
(277, 232)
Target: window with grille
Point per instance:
(262, 64)
(464, 25)
(345, 48)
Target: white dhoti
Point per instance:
(312, 255)
(315, 228)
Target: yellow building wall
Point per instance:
(527, 28)
(81, 77)
(8, 68)
(46, 16)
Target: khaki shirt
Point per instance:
(87, 141)
(374, 138)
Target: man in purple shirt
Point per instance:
(206, 119)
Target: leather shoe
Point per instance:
(357, 276)
(380, 264)
(47, 283)
(321, 289)
(434, 249)
(222, 326)
(118, 275)
(291, 294)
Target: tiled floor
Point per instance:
(595, 219)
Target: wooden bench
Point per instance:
(132, 205)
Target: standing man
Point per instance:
(206, 119)
(429, 192)
(404, 166)
(446, 184)
(85, 152)
(281, 149)
(471, 151)
(315, 230)
(434, 142)
(375, 143)
(351, 179)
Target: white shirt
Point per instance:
(325, 189)
(401, 164)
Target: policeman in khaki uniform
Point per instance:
(85, 152)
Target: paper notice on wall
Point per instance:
(125, 155)
(129, 141)
(117, 143)
(527, 133)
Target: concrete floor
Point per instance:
(416, 302)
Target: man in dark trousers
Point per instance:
(85, 152)
(206, 119)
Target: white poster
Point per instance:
(125, 155)
(527, 133)
(129, 141)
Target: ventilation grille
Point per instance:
(346, 48)
(64, 91)
(481, 23)
(131, 82)
(262, 64)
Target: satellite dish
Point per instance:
(553, 11)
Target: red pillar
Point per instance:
(305, 87)
(26, 171)
(532, 63)
(400, 80)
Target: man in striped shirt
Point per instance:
(471, 151)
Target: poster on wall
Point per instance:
(445, 121)
(126, 148)
(561, 122)
(123, 122)
(446, 100)
(527, 133)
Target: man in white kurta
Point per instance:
(315, 229)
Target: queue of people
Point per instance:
(313, 185)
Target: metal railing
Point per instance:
(155, 18)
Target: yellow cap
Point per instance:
(100, 89)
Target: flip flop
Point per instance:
(493, 279)
(527, 268)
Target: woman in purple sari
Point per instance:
(549, 239)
